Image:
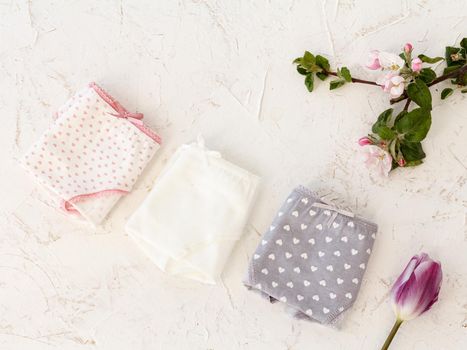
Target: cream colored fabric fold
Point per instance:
(195, 213)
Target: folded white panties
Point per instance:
(195, 213)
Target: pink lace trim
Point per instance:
(121, 110)
(68, 205)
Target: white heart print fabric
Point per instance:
(92, 154)
(312, 258)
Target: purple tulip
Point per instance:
(415, 291)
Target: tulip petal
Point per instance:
(417, 288)
(405, 276)
(431, 278)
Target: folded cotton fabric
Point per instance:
(194, 215)
(312, 258)
(92, 154)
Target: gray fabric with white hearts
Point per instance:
(313, 259)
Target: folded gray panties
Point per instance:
(312, 258)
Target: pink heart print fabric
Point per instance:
(92, 154)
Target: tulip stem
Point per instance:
(391, 335)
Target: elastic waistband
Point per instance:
(215, 159)
(315, 198)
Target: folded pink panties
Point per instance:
(92, 154)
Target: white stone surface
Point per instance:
(223, 69)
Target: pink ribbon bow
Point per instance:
(135, 118)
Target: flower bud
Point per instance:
(408, 48)
(417, 64)
(401, 162)
(364, 141)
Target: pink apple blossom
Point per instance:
(376, 158)
(392, 83)
(385, 61)
(417, 64)
(374, 60)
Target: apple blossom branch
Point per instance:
(395, 138)
(356, 80)
(404, 96)
(454, 74)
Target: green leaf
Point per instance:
(400, 115)
(309, 82)
(337, 83)
(301, 70)
(412, 151)
(419, 93)
(430, 60)
(385, 132)
(446, 93)
(393, 147)
(322, 75)
(451, 69)
(414, 125)
(345, 73)
(462, 80)
(427, 75)
(464, 91)
(402, 55)
(308, 60)
(464, 43)
(413, 163)
(383, 119)
(298, 60)
(323, 63)
(315, 69)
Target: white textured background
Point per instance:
(222, 68)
